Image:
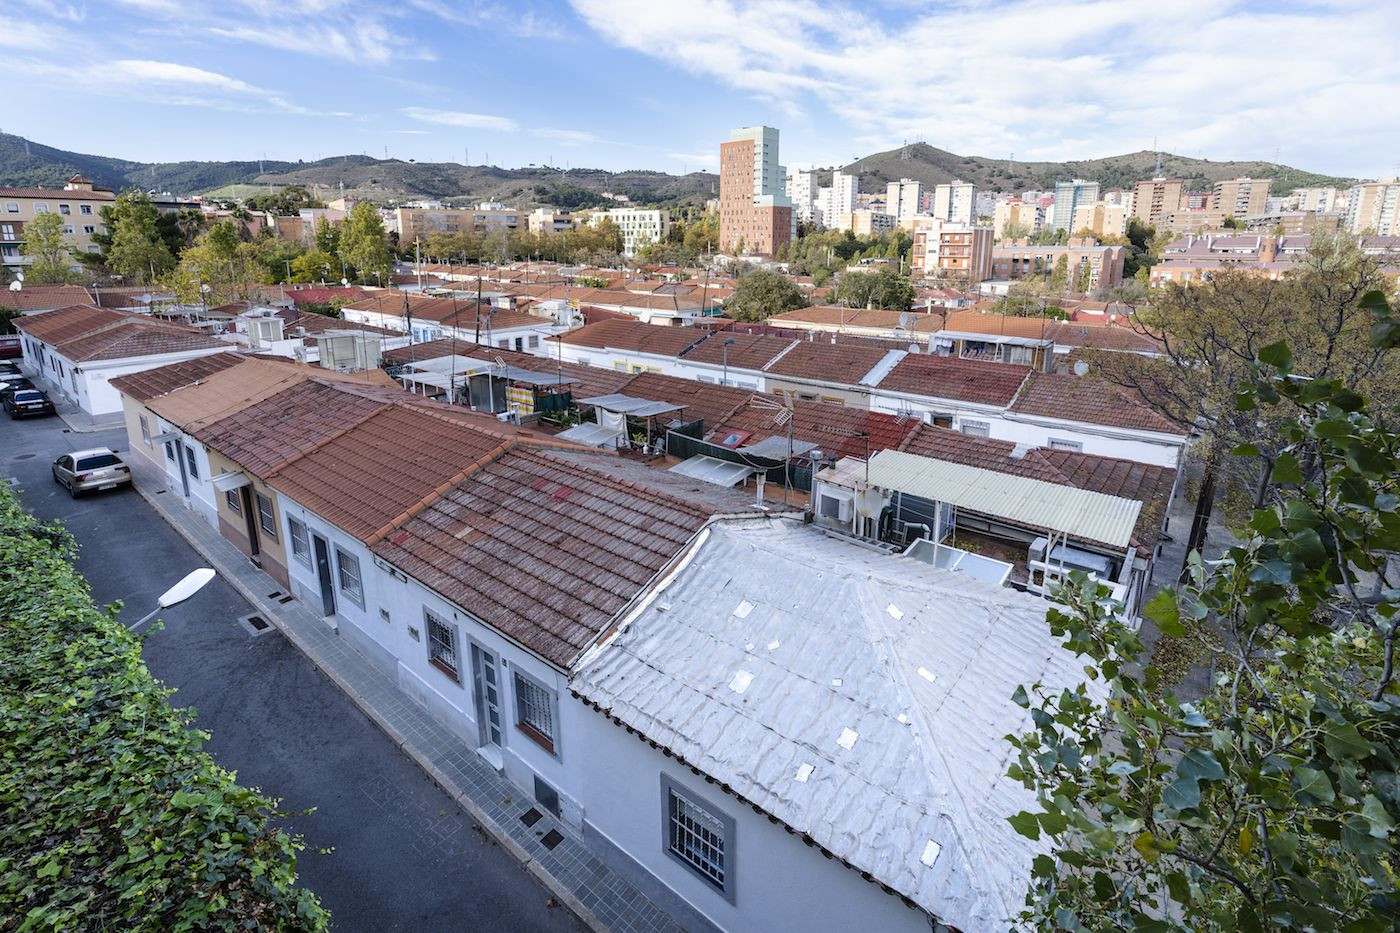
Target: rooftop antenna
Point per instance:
(1158, 169)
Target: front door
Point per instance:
(488, 695)
(323, 570)
(246, 494)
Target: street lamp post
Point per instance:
(192, 583)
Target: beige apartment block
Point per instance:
(1101, 219)
(416, 223)
(1155, 198)
(959, 253)
(1375, 208)
(1022, 215)
(1241, 197)
(78, 204)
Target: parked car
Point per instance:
(87, 470)
(8, 369)
(10, 347)
(21, 403)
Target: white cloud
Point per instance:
(412, 132)
(1047, 78)
(566, 137)
(697, 159)
(474, 121)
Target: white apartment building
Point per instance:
(903, 198)
(837, 203)
(1375, 207)
(639, 227)
(955, 202)
(802, 188)
(1318, 200)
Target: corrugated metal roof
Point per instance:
(626, 404)
(1078, 512)
(876, 692)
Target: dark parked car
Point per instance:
(26, 402)
(86, 470)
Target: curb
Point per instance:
(562, 894)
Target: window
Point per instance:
(85, 209)
(145, 430)
(11, 207)
(698, 836)
(442, 644)
(190, 463)
(64, 209)
(301, 544)
(349, 568)
(41, 208)
(89, 229)
(7, 231)
(231, 499)
(170, 451)
(1059, 443)
(976, 428)
(534, 711)
(68, 229)
(267, 521)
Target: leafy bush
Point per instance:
(111, 815)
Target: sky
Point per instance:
(619, 84)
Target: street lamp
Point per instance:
(728, 342)
(192, 583)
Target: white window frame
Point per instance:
(85, 209)
(301, 541)
(536, 711)
(444, 645)
(685, 818)
(355, 593)
(267, 521)
(65, 209)
(191, 461)
(145, 430)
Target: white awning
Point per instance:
(714, 470)
(636, 407)
(226, 482)
(591, 434)
(1064, 509)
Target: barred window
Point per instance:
(442, 644)
(699, 836)
(231, 500)
(301, 546)
(266, 520)
(534, 710)
(350, 577)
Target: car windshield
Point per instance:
(30, 396)
(98, 460)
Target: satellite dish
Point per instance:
(1080, 367)
(19, 276)
(869, 503)
(344, 281)
(16, 286)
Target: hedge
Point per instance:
(111, 814)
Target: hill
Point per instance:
(933, 166)
(23, 162)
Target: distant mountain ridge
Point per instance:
(27, 163)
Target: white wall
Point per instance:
(202, 493)
(780, 883)
(618, 360)
(1126, 444)
(393, 647)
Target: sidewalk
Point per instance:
(78, 421)
(562, 862)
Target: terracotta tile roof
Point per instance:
(542, 549)
(384, 467)
(635, 336)
(835, 429)
(748, 352)
(149, 383)
(229, 391)
(948, 377)
(312, 323)
(265, 435)
(1090, 400)
(135, 338)
(58, 194)
(43, 297)
(54, 327)
(956, 447)
(1104, 337)
(320, 296)
(828, 362)
(1148, 484)
(1004, 325)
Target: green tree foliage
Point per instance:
(1271, 802)
(364, 247)
(135, 247)
(830, 251)
(1059, 275)
(701, 237)
(883, 288)
(762, 293)
(327, 237)
(51, 258)
(315, 265)
(285, 203)
(111, 815)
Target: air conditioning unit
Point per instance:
(835, 505)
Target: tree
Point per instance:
(884, 288)
(1271, 802)
(1059, 275)
(327, 237)
(136, 250)
(314, 266)
(762, 293)
(50, 255)
(364, 246)
(1015, 232)
(286, 203)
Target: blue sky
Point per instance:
(659, 83)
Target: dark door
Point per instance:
(250, 519)
(323, 570)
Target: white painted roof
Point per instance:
(713, 470)
(859, 697)
(1066, 509)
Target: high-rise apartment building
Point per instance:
(955, 202)
(1375, 207)
(1068, 196)
(1101, 219)
(802, 189)
(1155, 198)
(1241, 197)
(1318, 200)
(837, 203)
(755, 215)
(903, 198)
(1021, 217)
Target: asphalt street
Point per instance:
(403, 855)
